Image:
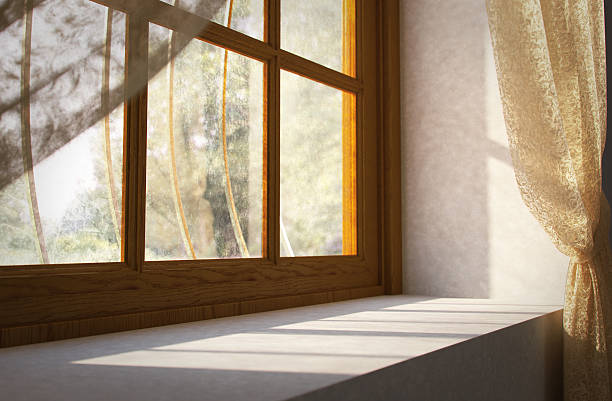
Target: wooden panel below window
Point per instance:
(35, 333)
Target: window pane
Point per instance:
(317, 169)
(62, 75)
(320, 30)
(204, 199)
(247, 16)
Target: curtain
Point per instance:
(551, 69)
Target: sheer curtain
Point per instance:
(551, 69)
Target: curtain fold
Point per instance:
(551, 69)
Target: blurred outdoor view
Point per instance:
(310, 167)
(247, 15)
(313, 30)
(190, 210)
(317, 155)
(59, 74)
(62, 125)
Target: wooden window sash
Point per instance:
(275, 59)
(282, 60)
(349, 132)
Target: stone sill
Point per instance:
(388, 347)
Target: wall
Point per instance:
(466, 232)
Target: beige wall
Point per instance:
(466, 232)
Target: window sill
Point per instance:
(365, 347)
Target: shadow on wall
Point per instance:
(466, 231)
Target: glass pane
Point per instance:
(322, 31)
(317, 169)
(204, 193)
(247, 16)
(62, 73)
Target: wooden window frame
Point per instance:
(42, 303)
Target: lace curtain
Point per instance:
(551, 68)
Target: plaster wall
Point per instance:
(466, 231)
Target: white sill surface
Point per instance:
(265, 356)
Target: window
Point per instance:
(209, 157)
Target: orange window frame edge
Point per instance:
(42, 303)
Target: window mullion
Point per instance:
(272, 35)
(273, 151)
(135, 139)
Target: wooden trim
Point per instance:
(135, 137)
(317, 72)
(367, 137)
(203, 264)
(59, 270)
(349, 133)
(235, 41)
(193, 26)
(274, 24)
(274, 134)
(269, 246)
(274, 161)
(389, 113)
(31, 300)
(21, 335)
(266, 228)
